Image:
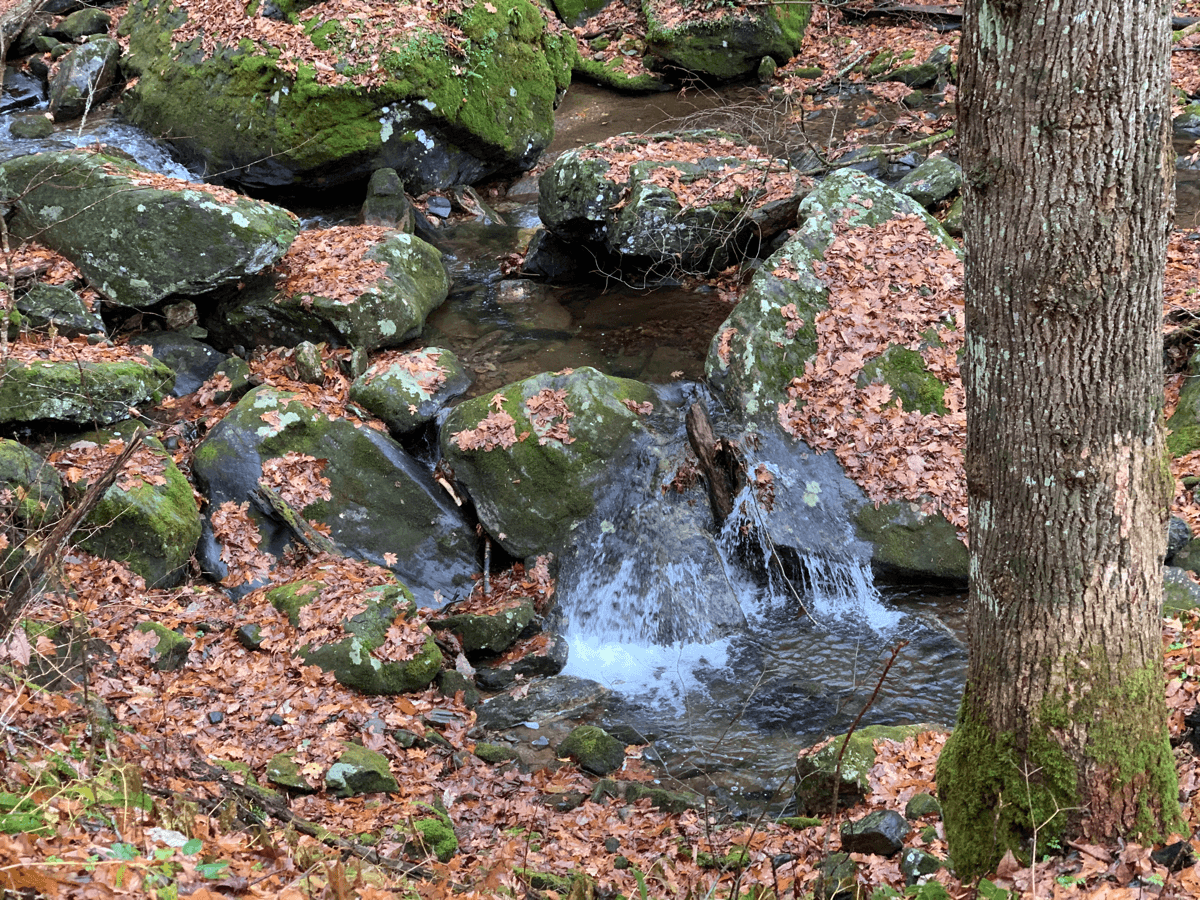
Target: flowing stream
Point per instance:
(726, 696)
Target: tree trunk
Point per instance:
(1065, 131)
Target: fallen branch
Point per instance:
(272, 504)
(275, 805)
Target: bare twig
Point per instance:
(837, 768)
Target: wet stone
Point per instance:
(881, 832)
(915, 864)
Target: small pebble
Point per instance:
(275, 719)
(216, 717)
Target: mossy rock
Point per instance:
(283, 771)
(171, 650)
(646, 223)
(58, 305)
(609, 74)
(438, 114)
(932, 182)
(1180, 593)
(909, 543)
(434, 834)
(731, 46)
(494, 753)
(383, 506)
(594, 749)
(530, 494)
(404, 393)
(351, 659)
(1184, 425)
(922, 805)
(152, 527)
(360, 771)
(487, 633)
(79, 392)
(815, 772)
(753, 359)
(660, 798)
(138, 244)
(35, 487)
(387, 314)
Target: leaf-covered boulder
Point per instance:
(139, 237)
(377, 502)
(684, 199)
(364, 286)
(727, 43)
(99, 385)
(357, 622)
(148, 519)
(320, 97)
(533, 454)
(406, 390)
(875, 368)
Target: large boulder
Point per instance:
(375, 500)
(148, 519)
(771, 339)
(373, 289)
(139, 237)
(321, 97)
(95, 387)
(688, 200)
(726, 43)
(533, 454)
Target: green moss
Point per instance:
(995, 791)
(152, 528)
(907, 541)
(799, 823)
(437, 835)
(502, 94)
(170, 652)
(912, 384)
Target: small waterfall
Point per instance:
(656, 598)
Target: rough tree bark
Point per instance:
(1064, 125)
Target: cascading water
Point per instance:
(733, 648)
